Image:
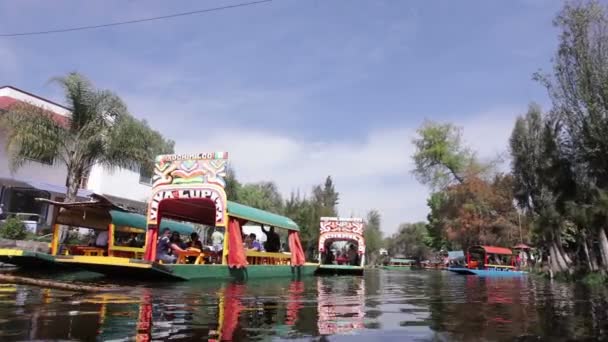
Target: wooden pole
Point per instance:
(54, 284)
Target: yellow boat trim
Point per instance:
(102, 260)
(11, 252)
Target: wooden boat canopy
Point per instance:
(493, 250)
(99, 216)
(260, 216)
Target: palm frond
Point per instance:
(32, 134)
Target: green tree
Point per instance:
(373, 236)
(543, 181)
(440, 158)
(233, 186)
(262, 195)
(99, 131)
(411, 240)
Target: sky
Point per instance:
(296, 90)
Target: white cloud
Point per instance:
(364, 171)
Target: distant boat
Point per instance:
(490, 261)
(400, 264)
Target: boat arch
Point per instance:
(187, 187)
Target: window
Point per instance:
(23, 201)
(145, 175)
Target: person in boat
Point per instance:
(273, 241)
(176, 239)
(253, 243)
(194, 242)
(166, 249)
(353, 257)
(102, 239)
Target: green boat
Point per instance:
(400, 264)
(190, 188)
(341, 246)
(99, 215)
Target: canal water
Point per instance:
(380, 306)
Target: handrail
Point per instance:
(499, 266)
(267, 254)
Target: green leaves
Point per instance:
(99, 131)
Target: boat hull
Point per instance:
(143, 270)
(397, 268)
(340, 269)
(487, 273)
(28, 259)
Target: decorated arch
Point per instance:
(341, 229)
(187, 187)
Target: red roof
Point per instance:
(7, 101)
(495, 250)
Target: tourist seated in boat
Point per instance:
(177, 239)
(194, 242)
(166, 249)
(353, 256)
(102, 239)
(273, 241)
(252, 243)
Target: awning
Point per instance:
(495, 250)
(260, 216)
(57, 189)
(52, 188)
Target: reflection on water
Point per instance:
(405, 305)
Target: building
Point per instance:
(47, 178)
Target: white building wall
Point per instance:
(119, 182)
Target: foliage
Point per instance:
(411, 240)
(14, 229)
(263, 195)
(99, 131)
(233, 186)
(373, 236)
(440, 157)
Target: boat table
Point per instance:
(267, 258)
(190, 252)
(88, 251)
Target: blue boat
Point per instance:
(489, 261)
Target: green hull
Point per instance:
(340, 269)
(401, 268)
(141, 270)
(29, 260)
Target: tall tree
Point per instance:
(411, 240)
(99, 131)
(262, 195)
(578, 88)
(233, 186)
(440, 158)
(373, 236)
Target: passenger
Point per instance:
(217, 240)
(165, 249)
(195, 242)
(176, 239)
(255, 244)
(353, 256)
(102, 239)
(273, 241)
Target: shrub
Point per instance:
(13, 229)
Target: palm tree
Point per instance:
(99, 131)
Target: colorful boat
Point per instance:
(99, 215)
(341, 245)
(400, 264)
(190, 188)
(489, 261)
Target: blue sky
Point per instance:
(299, 89)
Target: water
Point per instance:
(381, 306)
